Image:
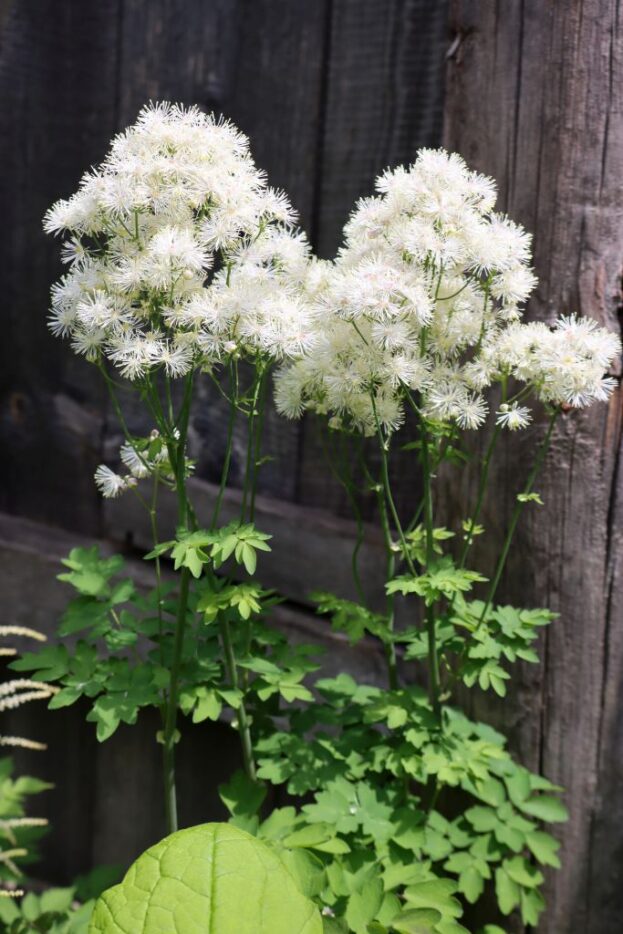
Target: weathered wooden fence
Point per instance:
(330, 92)
(534, 97)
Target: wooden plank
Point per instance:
(311, 550)
(534, 98)
(237, 58)
(384, 98)
(57, 80)
(383, 101)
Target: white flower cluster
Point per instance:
(565, 363)
(424, 297)
(179, 252)
(142, 458)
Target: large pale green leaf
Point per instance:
(211, 879)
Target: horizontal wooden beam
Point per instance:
(311, 549)
(30, 556)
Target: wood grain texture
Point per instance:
(329, 92)
(383, 95)
(259, 64)
(57, 81)
(383, 99)
(534, 99)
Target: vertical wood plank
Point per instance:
(260, 64)
(534, 98)
(383, 101)
(57, 85)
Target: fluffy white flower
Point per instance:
(425, 296)
(111, 484)
(177, 196)
(564, 364)
(513, 416)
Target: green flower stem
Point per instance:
(259, 428)
(482, 488)
(389, 499)
(244, 726)
(110, 385)
(153, 521)
(256, 426)
(177, 456)
(249, 466)
(233, 411)
(229, 655)
(383, 444)
(484, 472)
(346, 481)
(434, 687)
(170, 726)
(538, 463)
(390, 647)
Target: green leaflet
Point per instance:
(210, 879)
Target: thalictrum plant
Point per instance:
(403, 812)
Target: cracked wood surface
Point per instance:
(534, 98)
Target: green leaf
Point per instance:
(364, 904)
(530, 498)
(437, 894)
(306, 869)
(309, 835)
(122, 592)
(334, 926)
(482, 819)
(544, 847)
(79, 920)
(30, 907)
(64, 698)
(206, 879)
(93, 883)
(9, 910)
(49, 664)
(336, 804)
(442, 578)
(522, 872)
(532, 904)
(546, 808)
(507, 891)
(241, 796)
(57, 899)
(351, 618)
(159, 550)
(518, 784)
(249, 559)
(416, 921)
(471, 884)
(450, 927)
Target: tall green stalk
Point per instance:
(390, 647)
(482, 488)
(177, 455)
(383, 446)
(244, 725)
(248, 500)
(434, 684)
(519, 504)
(231, 421)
